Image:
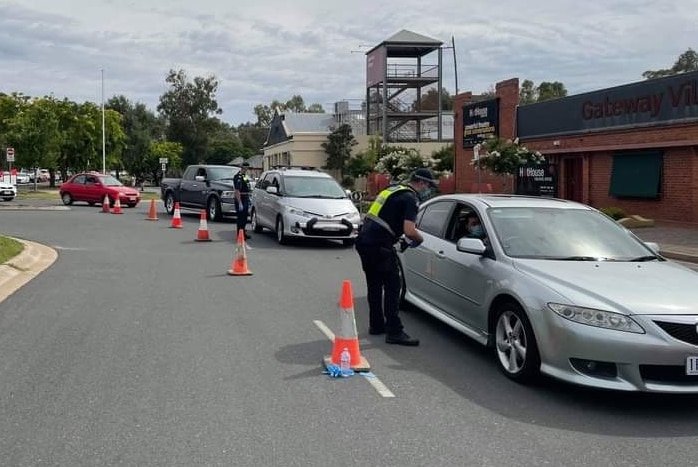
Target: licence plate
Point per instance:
(132, 198)
(692, 366)
(7, 192)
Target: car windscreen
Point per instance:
(313, 187)
(108, 180)
(564, 234)
(221, 173)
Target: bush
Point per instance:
(613, 212)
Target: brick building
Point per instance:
(633, 146)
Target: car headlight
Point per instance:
(354, 217)
(227, 194)
(298, 212)
(598, 318)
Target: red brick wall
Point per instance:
(465, 174)
(679, 198)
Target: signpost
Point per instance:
(476, 156)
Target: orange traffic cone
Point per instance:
(105, 204)
(152, 212)
(177, 219)
(202, 233)
(347, 337)
(239, 266)
(117, 207)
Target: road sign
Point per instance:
(356, 195)
(163, 160)
(164, 167)
(10, 154)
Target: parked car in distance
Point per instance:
(8, 191)
(557, 287)
(92, 187)
(23, 177)
(207, 187)
(303, 203)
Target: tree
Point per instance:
(529, 93)
(504, 156)
(265, 113)
(338, 148)
(141, 127)
(173, 153)
(252, 136)
(188, 107)
(363, 163)
(687, 61)
(430, 101)
(34, 134)
(444, 158)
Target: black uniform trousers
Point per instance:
(380, 265)
(243, 211)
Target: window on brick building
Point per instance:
(637, 174)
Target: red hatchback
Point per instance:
(91, 187)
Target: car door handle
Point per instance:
(440, 254)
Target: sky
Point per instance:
(262, 50)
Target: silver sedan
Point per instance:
(557, 287)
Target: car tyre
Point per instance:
(515, 347)
(403, 284)
(280, 235)
(67, 199)
(213, 209)
(169, 203)
(256, 228)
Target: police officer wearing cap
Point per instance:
(391, 216)
(243, 193)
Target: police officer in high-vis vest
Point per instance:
(243, 192)
(391, 216)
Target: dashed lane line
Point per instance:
(374, 381)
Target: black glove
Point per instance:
(404, 244)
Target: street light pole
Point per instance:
(104, 139)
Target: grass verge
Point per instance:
(9, 248)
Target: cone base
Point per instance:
(152, 219)
(202, 239)
(175, 226)
(233, 273)
(362, 366)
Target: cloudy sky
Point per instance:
(263, 50)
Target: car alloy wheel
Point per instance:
(256, 228)
(169, 203)
(67, 199)
(280, 235)
(515, 345)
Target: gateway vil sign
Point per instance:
(673, 99)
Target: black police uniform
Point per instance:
(375, 245)
(242, 184)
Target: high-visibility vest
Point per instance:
(378, 204)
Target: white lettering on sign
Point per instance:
(531, 172)
(478, 112)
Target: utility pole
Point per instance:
(455, 65)
(104, 138)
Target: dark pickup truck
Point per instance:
(207, 187)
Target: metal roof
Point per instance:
(307, 122)
(406, 43)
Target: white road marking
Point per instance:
(374, 381)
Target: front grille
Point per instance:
(672, 374)
(681, 331)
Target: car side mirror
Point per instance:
(473, 246)
(200, 178)
(272, 190)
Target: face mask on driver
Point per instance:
(477, 231)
